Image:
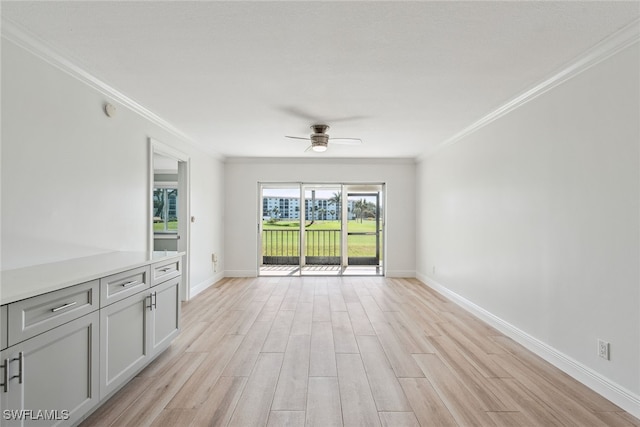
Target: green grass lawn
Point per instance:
(318, 244)
(171, 225)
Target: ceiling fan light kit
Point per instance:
(319, 141)
(319, 147)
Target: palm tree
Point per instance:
(362, 208)
(275, 211)
(335, 200)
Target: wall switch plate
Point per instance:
(603, 349)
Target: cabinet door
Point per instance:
(59, 372)
(124, 341)
(165, 314)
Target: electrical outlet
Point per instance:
(214, 257)
(603, 349)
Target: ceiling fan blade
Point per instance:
(297, 137)
(298, 112)
(346, 141)
(301, 113)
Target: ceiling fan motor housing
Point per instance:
(319, 139)
(319, 128)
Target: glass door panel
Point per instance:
(280, 230)
(365, 228)
(322, 229)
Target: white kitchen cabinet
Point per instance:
(74, 332)
(165, 314)
(124, 341)
(52, 378)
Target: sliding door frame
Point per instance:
(344, 189)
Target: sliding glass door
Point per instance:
(320, 229)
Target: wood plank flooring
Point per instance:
(352, 351)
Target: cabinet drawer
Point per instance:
(165, 270)
(3, 327)
(33, 316)
(121, 285)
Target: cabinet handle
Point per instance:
(5, 376)
(62, 307)
(155, 300)
(130, 283)
(150, 306)
(20, 360)
(164, 270)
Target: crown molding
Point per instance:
(323, 160)
(38, 47)
(616, 42)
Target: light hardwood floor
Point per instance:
(331, 351)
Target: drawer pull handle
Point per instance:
(164, 270)
(130, 283)
(62, 307)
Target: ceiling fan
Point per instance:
(320, 139)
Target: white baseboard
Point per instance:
(617, 394)
(240, 273)
(400, 273)
(205, 284)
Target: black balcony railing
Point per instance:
(281, 247)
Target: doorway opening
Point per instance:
(320, 229)
(169, 205)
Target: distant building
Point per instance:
(289, 208)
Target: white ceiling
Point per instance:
(403, 76)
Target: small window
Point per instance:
(165, 210)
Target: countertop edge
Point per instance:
(28, 282)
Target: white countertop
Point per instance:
(35, 280)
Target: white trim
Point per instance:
(35, 45)
(609, 46)
(617, 394)
(168, 150)
(200, 287)
(240, 273)
(320, 160)
(184, 206)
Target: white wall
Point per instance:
(75, 182)
(535, 218)
(241, 203)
